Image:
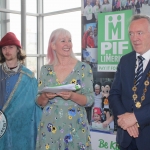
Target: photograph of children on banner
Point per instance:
(106, 5)
(89, 44)
(87, 11)
(101, 115)
(89, 36)
(96, 9)
(138, 6)
(91, 8)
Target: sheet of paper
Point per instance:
(56, 89)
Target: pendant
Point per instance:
(138, 104)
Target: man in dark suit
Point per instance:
(130, 96)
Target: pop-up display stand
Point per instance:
(103, 141)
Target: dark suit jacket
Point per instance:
(121, 101)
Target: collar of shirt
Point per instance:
(7, 69)
(145, 62)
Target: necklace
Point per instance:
(138, 104)
(13, 67)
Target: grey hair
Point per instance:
(140, 16)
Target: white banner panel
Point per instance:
(103, 141)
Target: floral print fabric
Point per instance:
(64, 124)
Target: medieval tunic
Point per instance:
(18, 92)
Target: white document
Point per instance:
(56, 89)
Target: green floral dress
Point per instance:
(64, 124)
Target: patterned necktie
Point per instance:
(139, 72)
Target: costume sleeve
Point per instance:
(87, 85)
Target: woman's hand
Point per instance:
(44, 98)
(73, 96)
(50, 95)
(65, 95)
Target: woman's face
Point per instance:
(63, 46)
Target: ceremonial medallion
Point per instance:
(3, 124)
(138, 104)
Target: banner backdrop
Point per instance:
(105, 38)
(113, 40)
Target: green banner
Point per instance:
(113, 39)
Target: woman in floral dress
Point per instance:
(64, 124)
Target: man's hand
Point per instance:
(133, 131)
(126, 120)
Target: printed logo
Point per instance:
(114, 27)
(3, 124)
(113, 41)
